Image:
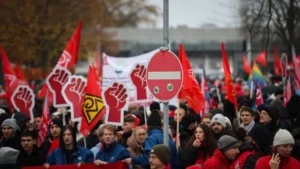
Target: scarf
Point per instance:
(248, 127)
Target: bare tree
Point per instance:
(272, 22)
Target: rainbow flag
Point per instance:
(257, 77)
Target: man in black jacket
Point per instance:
(55, 130)
(188, 125)
(30, 154)
(127, 128)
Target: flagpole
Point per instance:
(145, 115)
(177, 124)
(251, 90)
(165, 46)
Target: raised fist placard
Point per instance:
(23, 100)
(73, 92)
(138, 79)
(55, 81)
(115, 98)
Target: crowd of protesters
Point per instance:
(265, 136)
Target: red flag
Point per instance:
(296, 69)
(54, 145)
(247, 67)
(93, 109)
(277, 66)
(20, 75)
(262, 58)
(69, 56)
(288, 92)
(259, 99)
(11, 81)
(190, 89)
(230, 92)
(45, 121)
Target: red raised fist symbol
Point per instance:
(74, 92)
(55, 81)
(138, 78)
(23, 100)
(115, 98)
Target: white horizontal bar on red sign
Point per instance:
(174, 75)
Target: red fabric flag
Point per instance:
(277, 66)
(259, 99)
(69, 56)
(288, 92)
(296, 69)
(22, 80)
(93, 109)
(11, 80)
(45, 121)
(230, 92)
(262, 58)
(247, 67)
(116, 165)
(54, 145)
(190, 89)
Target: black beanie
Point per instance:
(272, 112)
(56, 121)
(188, 119)
(154, 119)
(261, 135)
(154, 106)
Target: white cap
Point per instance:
(283, 137)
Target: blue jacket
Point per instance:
(155, 136)
(113, 153)
(58, 157)
(95, 149)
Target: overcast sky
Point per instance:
(195, 13)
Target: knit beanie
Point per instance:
(272, 112)
(219, 118)
(162, 152)
(261, 135)
(227, 142)
(57, 122)
(283, 137)
(154, 119)
(8, 155)
(154, 106)
(11, 123)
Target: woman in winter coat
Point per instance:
(200, 147)
(282, 149)
(136, 143)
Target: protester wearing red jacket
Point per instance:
(200, 147)
(281, 158)
(224, 155)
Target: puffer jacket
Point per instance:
(245, 159)
(58, 157)
(112, 153)
(217, 161)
